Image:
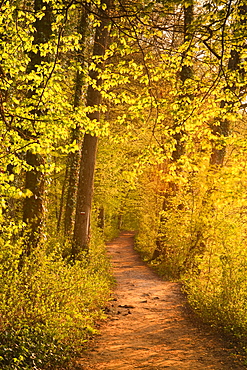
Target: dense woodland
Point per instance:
(118, 114)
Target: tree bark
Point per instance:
(89, 147)
(74, 158)
(101, 218)
(185, 74)
(33, 205)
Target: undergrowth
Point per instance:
(49, 308)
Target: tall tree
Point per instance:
(89, 145)
(74, 157)
(33, 205)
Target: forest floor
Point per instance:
(150, 325)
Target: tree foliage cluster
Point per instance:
(155, 89)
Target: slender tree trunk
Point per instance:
(185, 74)
(101, 218)
(62, 197)
(89, 147)
(33, 205)
(72, 181)
(74, 158)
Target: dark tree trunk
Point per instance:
(185, 74)
(89, 148)
(101, 218)
(62, 197)
(33, 205)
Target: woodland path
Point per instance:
(149, 326)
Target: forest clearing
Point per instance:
(120, 115)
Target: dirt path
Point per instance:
(148, 327)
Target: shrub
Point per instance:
(49, 308)
(29, 348)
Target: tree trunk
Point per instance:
(74, 158)
(89, 147)
(62, 197)
(33, 205)
(185, 74)
(72, 181)
(101, 218)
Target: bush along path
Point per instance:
(149, 326)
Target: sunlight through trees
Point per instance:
(120, 115)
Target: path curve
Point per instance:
(148, 326)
